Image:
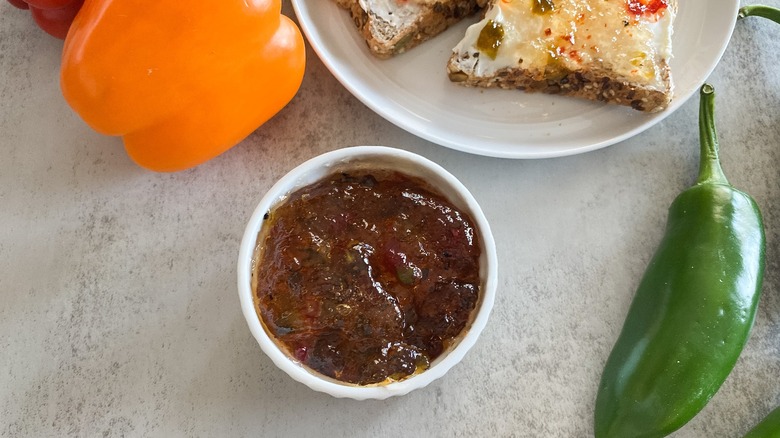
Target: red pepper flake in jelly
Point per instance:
(368, 276)
(647, 7)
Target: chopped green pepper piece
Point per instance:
(543, 6)
(490, 38)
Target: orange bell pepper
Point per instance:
(180, 81)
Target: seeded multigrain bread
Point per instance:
(391, 27)
(615, 51)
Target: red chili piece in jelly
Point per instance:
(647, 7)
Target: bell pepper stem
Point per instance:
(760, 11)
(710, 171)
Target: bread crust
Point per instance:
(594, 84)
(385, 40)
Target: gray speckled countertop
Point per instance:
(119, 314)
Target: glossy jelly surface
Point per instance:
(366, 277)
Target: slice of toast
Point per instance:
(391, 27)
(615, 51)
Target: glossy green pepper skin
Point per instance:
(764, 11)
(694, 307)
(769, 427)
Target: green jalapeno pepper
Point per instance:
(769, 427)
(694, 307)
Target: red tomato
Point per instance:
(48, 4)
(21, 4)
(56, 22)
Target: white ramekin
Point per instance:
(361, 157)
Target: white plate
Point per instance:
(413, 91)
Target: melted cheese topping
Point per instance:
(576, 35)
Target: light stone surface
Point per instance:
(119, 314)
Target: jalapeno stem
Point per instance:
(760, 11)
(710, 171)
